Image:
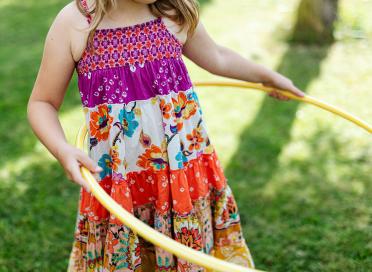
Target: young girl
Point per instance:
(148, 143)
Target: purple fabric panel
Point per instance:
(128, 83)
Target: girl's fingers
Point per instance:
(90, 164)
(277, 95)
(297, 91)
(78, 178)
(283, 97)
(285, 84)
(273, 93)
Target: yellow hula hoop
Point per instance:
(164, 241)
(307, 99)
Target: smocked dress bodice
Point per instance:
(130, 63)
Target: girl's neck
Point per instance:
(130, 10)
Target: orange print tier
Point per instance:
(165, 189)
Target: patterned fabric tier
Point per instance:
(212, 226)
(152, 150)
(122, 85)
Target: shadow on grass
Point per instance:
(306, 223)
(262, 142)
(313, 215)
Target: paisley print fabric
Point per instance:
(146, 130)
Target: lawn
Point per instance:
(301, 175)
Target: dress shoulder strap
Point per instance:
(84, 4)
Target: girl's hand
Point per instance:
(278, 81)
(71, 158)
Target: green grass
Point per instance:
(301, 176)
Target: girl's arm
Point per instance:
(222, 61)
(55, 72)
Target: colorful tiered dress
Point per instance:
(146, 130)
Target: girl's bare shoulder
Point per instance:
(74, 23)
(71, 17)
(175, 29)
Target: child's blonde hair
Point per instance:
(183, 12)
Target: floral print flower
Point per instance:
(105, 163)
(155, 158)
(193, 96)
(145, 139)
(100, 122)
(183, 109)
(190, 237)
(195, 138)
(181, 158)
(129, 124)
(117, 177)
(165, 108)
(115, 160)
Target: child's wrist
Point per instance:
(268, 76)
(61, 149)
